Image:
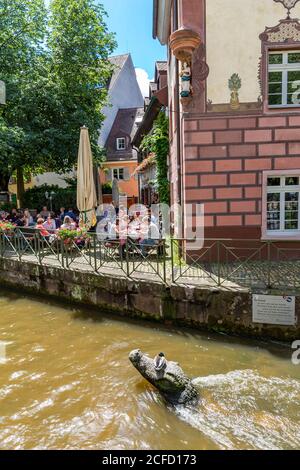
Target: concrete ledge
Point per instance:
(213, 309)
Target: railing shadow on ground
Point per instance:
(229, 263)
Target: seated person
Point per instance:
(68, 224)
(13, 215)
(70, 213)
(50, 224)
(134, 228)
(3, 216)
(45, 212)
(28, 219)
(40, 226)
(62, 214)
(150, 237)
(19, 220)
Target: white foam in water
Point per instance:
(3, 352)
(242, 409)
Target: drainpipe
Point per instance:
(178, 125)
(178, 119)
(138, 176)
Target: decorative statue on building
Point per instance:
(186, 77)
(288, 4)
(235, 84)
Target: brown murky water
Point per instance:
(67, 384)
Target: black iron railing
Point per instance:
(231, 264)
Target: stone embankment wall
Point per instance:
(212, 309)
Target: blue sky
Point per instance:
(131, 20)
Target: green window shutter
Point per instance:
(109, 175)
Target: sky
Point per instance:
(131, 20)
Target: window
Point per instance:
(121, 143)
(118, 173)
(283, 208)
(284, 79)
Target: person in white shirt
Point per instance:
(50, 224)
(68, 224)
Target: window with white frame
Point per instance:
(283, 208)
(118, 173)
(284, 79)
(121, 143)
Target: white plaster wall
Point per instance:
(53, 179)
(233, 44)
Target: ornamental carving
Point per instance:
(201, 69)
(282, 36)
(287, 31)
(288, 4)
(200, 72)
(183, 43)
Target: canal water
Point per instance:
(67, 383)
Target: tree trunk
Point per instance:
(4, 180)
(20, 186)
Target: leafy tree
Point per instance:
(22, 29)
(157, 142)
(56, 81)
(79, 45)
(35, 198)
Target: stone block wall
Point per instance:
(219, 310)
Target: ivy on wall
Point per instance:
(158, 143)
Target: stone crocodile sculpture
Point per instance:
(170, 379)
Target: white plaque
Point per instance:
(274, 309)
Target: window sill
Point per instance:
(284, 106)
(281, 236)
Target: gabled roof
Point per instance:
(118, 62)
(125, 125)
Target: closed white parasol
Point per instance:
(86, 192)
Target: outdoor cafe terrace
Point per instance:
(227, 264)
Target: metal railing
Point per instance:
(232, 264)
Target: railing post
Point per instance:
(62, 253)
(269, 265)
(172, 259)
(67, 254)
(164, 261)
(39, 248)
(127, 257)
(219, 262)
(95, 251)
(1, 246)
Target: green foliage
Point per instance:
(7, 206)
(22, 30)
(79, 45)
(235, 82)
(158, 143)
(35, 198)
(55, 65)
(69, 236)
(107, 188)
(6, 227)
